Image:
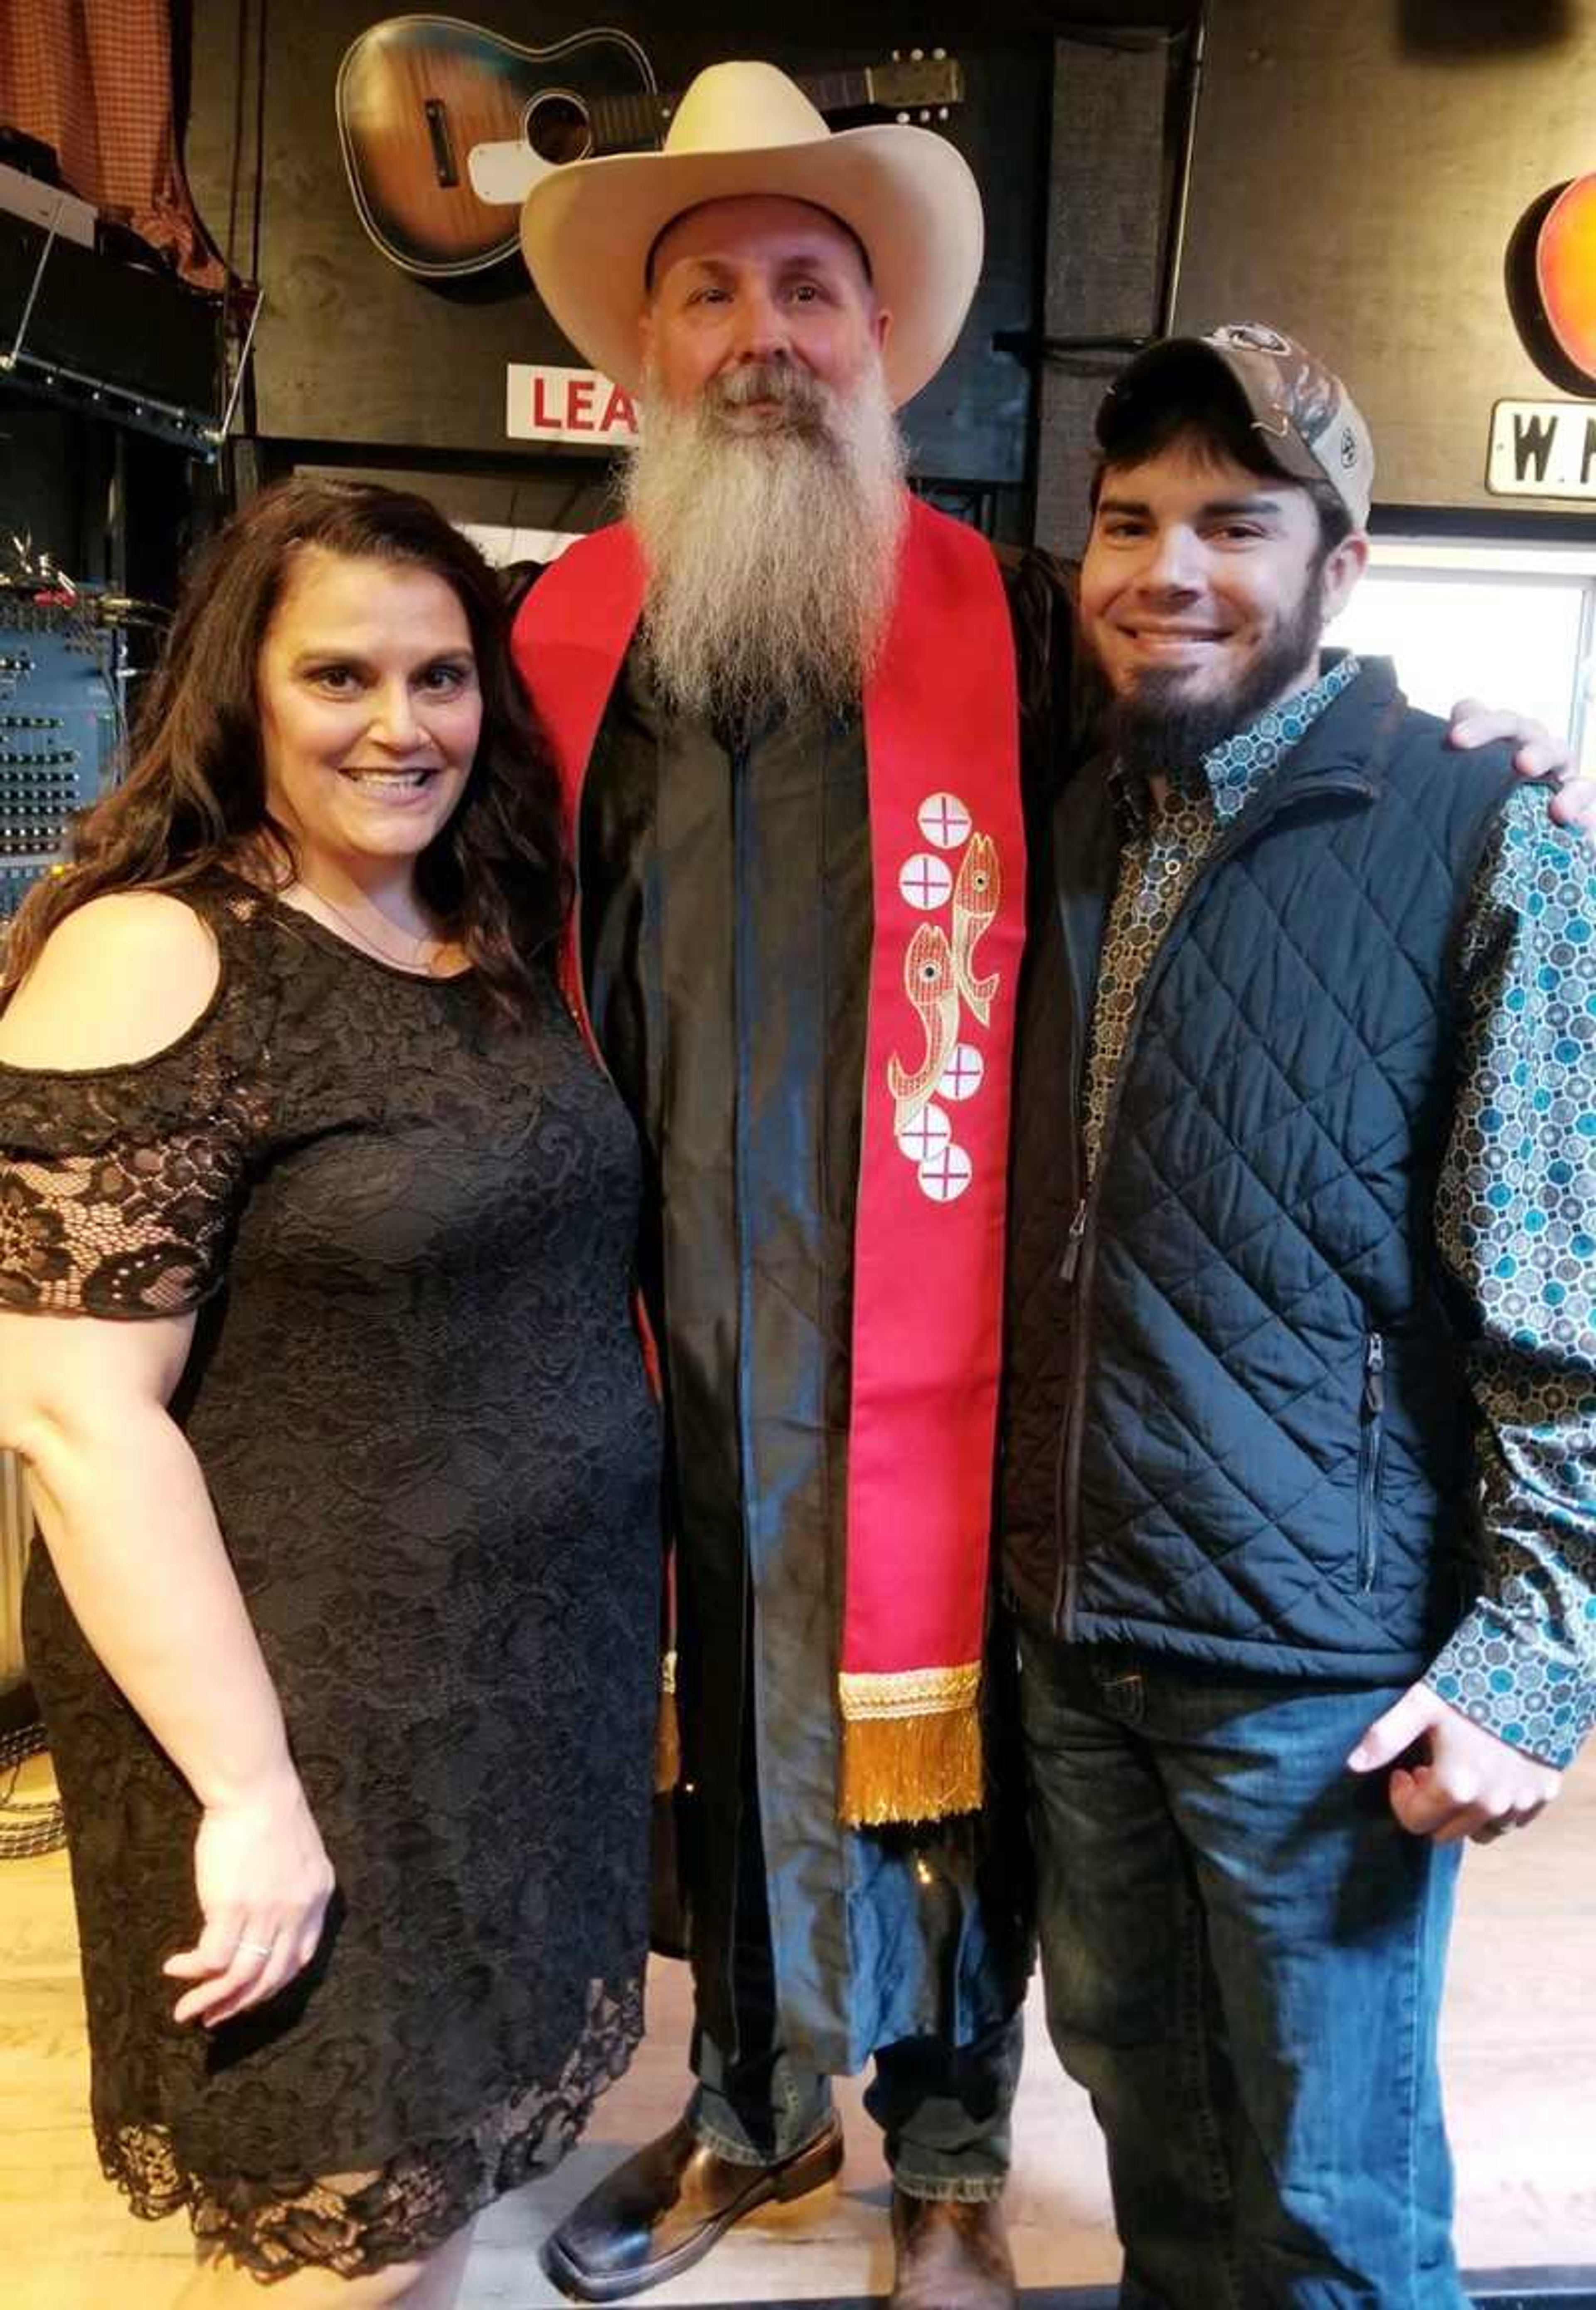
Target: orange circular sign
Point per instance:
(1566, 271)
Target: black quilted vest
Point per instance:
(1235, 1425)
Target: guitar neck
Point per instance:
(619, 123)
(839, 92)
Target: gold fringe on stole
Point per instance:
(667, 1730)
(911, 1745)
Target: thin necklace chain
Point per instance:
(412, 961)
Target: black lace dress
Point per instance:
(417, 1396)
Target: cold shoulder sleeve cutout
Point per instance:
(119, 1185)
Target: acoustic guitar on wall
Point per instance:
(445, 127)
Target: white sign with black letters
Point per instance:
(1543, 449)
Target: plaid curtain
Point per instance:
(93, 79)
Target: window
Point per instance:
(1514, 625)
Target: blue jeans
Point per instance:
(943, 2110)
(1243, 1955)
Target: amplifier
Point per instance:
(59, 715)
(121, 340)
(60, 719)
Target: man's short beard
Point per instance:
(772, 548)
(1156, 729)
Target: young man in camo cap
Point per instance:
(1300, 1477)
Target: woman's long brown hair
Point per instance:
(495, 877)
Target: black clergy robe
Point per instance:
(726, 922)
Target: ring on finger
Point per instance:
(255, 1949)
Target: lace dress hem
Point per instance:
(356, 2224)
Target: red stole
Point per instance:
(941, 733)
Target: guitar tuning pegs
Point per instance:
(902, 119)
(898, 55)
(917, 56)
(940, 56)
(941, 112)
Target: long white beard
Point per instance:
(772, 548)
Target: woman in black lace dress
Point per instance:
(316, 1232)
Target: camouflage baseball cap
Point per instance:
(1310, 424)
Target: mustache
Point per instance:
(802, 395)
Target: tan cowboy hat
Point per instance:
(586, 229)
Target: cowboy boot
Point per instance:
(663, 2208)
(951, 2255)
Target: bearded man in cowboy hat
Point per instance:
(790, 705)
(795, 712)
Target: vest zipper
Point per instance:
(1079, 1255)
(1071, 1258)
(1368, 1460)
(1066, 1463)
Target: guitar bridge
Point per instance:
(443, 144)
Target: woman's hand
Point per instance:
(263, 1881)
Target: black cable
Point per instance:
(236, 159)
(260, 145)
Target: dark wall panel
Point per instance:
(1105, 255)
(1359, 172)
(110, 507)
(40, 450)
(352, 350)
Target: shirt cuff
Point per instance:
(1502, 1676)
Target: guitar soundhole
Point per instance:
(556, 129)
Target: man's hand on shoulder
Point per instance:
(1571, 802)
(1462, 1781)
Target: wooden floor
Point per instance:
(1521, 2063)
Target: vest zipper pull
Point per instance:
(1071, 1258)
(1373, 1373)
